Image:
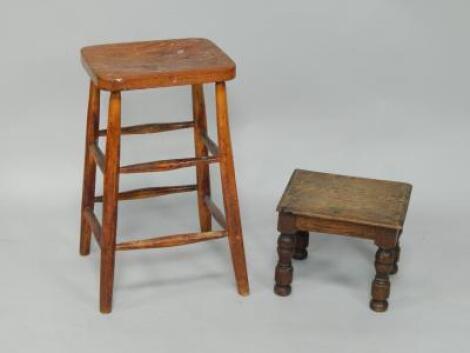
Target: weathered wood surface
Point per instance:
(335, 204)
(165, 165)
(137, 65)
(170, 240)
(343, 198)
(110, 201)
(229, 190)
(151, 128)
(144, 193)
(201, 151)
(89, 169)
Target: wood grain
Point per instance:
(170, 240)
(229, 190)
(144, 193)
(89, 169)
(166, 165)
(161, 63)
(110, 200)
(201, 151)
(151, 128)
(350, 206)
(139, 65)
(343, 198)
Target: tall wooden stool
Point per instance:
(335, 204)
(128, 66)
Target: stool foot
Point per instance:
(284, 270)
(301, 244)
(384, 260)
(282, 291)
(379, 306)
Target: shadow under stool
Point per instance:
(335, 204)
(141, 65)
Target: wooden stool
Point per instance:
(127, 66)
(335, 204)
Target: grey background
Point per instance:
(375, 88)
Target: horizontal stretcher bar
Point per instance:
(171, 240)
(151, 128)
(170, 164)
(151, 192)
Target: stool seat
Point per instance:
(160, 63)
(343, 198)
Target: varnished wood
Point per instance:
(151, 192)
(126, 66)
(165, 165)
(97, 155)
(384, 260)
(137, 65)
(350, 206)
(151, 128)
(284, 270)
(201, 151)
(229, 190)
(94, 224)
(170, 240)
(110, 200)
(215, 212)
(89, 169)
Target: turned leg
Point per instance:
(284, 269)
(202, 169)
(110, 198)
(384, 260)
(301, 244)
(396, 253)
(229, 190)
(89, 170)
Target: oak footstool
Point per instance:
(344, 205)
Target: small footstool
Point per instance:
(336, 204)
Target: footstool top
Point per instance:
(159, 63)
(344, 198)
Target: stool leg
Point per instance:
(384, 260)
(301, 244)
(110, 198)
(396, 253)
(89, 170)
(202, 169)
(229, 190)
(284, 270)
